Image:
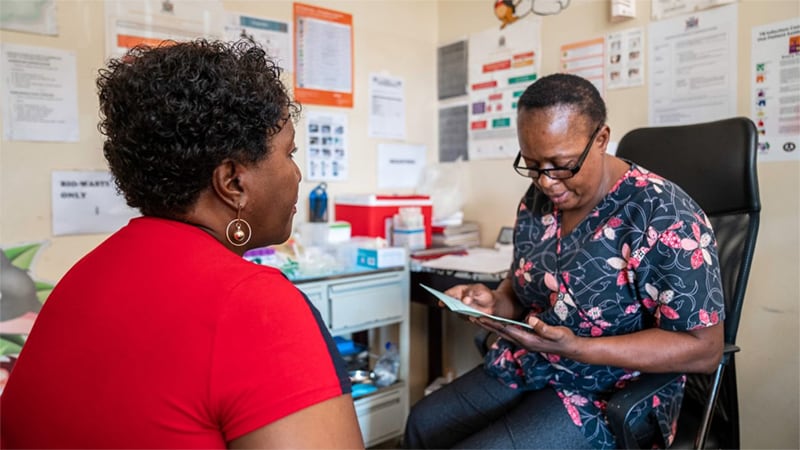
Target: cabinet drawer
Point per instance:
(380, 416)
(361, 302)
(316, 295)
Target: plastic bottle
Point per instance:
(387, 366)
(318, 204)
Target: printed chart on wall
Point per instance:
(775, 103)
(323, 56)
(692, 61)
(39, 92)
(585, 59)
(150, 22)
(273, 35)
(502, 64)
(625, 56)
(327, 146)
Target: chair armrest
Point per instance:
(622, 403)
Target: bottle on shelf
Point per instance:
(388, 366)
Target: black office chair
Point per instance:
(715, 163)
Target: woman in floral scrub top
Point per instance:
(616, 270)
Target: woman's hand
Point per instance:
(477, 296)
(542, 338)
(696, 351)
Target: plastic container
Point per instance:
(388, 366)
(372, 215)
(265, 256)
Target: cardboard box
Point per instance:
(378, 258)
(371, 215)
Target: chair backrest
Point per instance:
(715, 163)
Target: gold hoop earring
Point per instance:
(241, 230)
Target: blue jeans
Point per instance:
(477, 411)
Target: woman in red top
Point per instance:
(164, 336)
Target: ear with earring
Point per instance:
(238, 231)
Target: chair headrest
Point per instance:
(714, 162)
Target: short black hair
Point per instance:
(172, 113)
(565, 90)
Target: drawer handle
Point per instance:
(380, 406)
(363, 287)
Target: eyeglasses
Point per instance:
(555, 173)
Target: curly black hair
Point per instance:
(173, 113)
(563, 89)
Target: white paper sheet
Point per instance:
(625, 58)
(457, 306)
(776, 83)
(31, 17)
(400, 165)
(477, 260)
(87, 202)
(387, 107)
(149, 22)
(502, 63)
(327, 157)
(40, 100)
(692, 62)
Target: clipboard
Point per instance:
(457, 306)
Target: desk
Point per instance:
(441, 279)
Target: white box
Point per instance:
(378, 258)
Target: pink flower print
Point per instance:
(523, 272)
(570, 400)
(607, 229)
(503, 359)
(670, 238)
(602, 405)
(594, 320)
(549, 221)
(552, 357)
(709, 319)
(699, 244)
(522, 206)
(656, 401)
(621, 264)
(559, 302)
(632, 308)
(703, 219)
(661, 299)
(644, 177)
(652, 236)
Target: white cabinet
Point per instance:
(375, 301)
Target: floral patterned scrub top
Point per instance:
(644, 257)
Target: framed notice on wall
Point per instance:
(323, 63)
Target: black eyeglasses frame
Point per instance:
(549, 173)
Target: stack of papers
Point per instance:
(477, 260)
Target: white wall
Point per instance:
(768, 333)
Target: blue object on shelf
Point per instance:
(360, 390)
(347, 347)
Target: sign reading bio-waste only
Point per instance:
(86, 202)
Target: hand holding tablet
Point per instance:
(457, 306)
